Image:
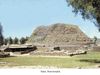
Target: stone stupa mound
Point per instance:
(59, 34)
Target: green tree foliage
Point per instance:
(26, 39)
(1, 35)
(22, 40)
(10, 40)
(95, 40)
(15, 40)
(5, 41)
(89, 9)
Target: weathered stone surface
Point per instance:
(59, 34)
(96, 48)
(3, 54)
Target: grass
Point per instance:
(89, 60)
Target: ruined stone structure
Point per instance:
(58, 39)
(18, 48)
(59, 35)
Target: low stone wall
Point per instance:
(59, 53)
(49, 53)
(2, 55)
(71, 48)
(96, 48)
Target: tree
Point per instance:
(15, 41)
(1, 35)
(26, 38)
(5, 41)
(22, 40)
(89, 9)
(10, 40)
(95, 40)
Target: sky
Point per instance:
(19, 18)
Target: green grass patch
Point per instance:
(88, 60)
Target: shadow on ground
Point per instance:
(6, 57)
(90, 60)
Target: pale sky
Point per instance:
(20, 17)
